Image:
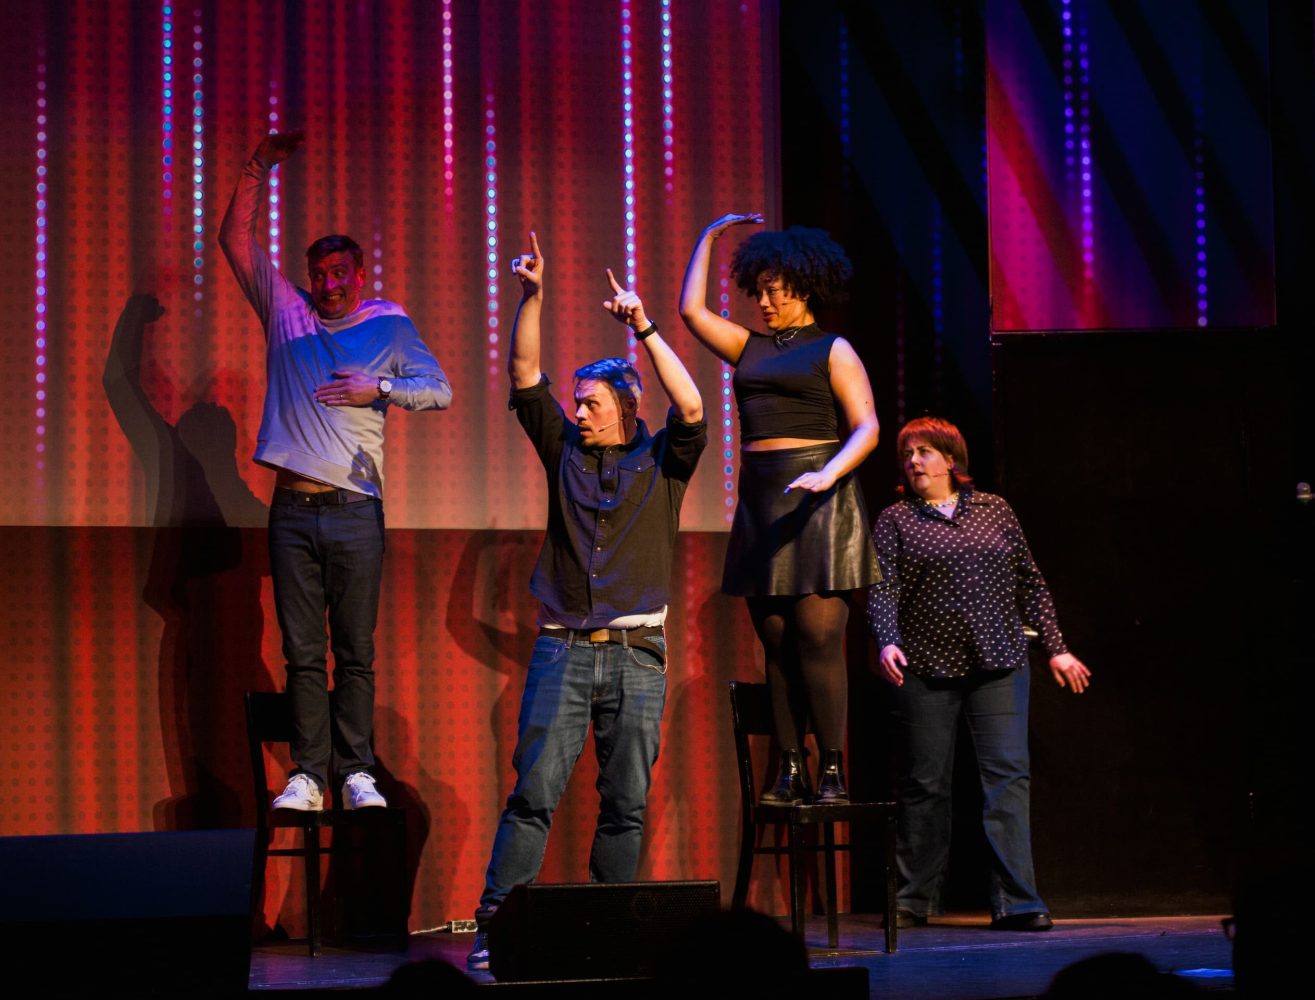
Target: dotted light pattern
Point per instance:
(1077, 138)
(40, 323)
(167, 94)
(628, 156)
(198, 164)
(727, 406)
(275, 230)
(491, 226)
(668, 100)
(448, 122)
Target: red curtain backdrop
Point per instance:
(141, 608)
(438, 134)
(130, 649)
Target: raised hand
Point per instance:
(625, 305)
(529, 268)
(715, 229)
(278, 146)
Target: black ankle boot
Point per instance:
(791, 786)
(831, 788)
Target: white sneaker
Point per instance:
(301, 794)
(358, 792)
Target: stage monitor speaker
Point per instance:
(128, 913)
(592, 931)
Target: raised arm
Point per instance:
(523, 358)
(686, 402)
(250, 262)
(724, 338)
(853, 391)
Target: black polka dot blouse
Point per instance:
(956, 591)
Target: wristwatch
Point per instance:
(385, 388)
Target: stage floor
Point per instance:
(955, 958)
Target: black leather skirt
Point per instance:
(797, 542)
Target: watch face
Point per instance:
(385, 386)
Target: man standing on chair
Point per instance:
(335, 363)
(603, 582)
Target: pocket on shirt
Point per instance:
(636, 477)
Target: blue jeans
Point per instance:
(328, 557)
(926, 716)
(621, 690)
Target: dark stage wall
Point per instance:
(933, 137)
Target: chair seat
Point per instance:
(751, 716)
(269, 720)
(296, 819)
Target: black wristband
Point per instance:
(648, 331)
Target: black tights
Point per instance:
(803, 641)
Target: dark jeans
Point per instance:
(622, 690)
(926, 716)
(328, 556)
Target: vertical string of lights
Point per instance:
(275, 243)
(198, 165)
(491, 224)
(447, 107)
(727, 438)
(628, 155)
(42, 220)
(377, 253)
(668, 101)
(1198, 206)
(1077, 140)
(167, 115)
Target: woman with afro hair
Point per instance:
(799, 542)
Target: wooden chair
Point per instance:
(269, 720)
(751, 716)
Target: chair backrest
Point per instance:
(751, 715)
(269, 720)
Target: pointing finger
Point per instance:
(615, 287)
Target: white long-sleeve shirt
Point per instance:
(338, 445)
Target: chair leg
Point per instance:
(744, 868)
(797, 920)
(311, 838)
(832, 901)
(892, 887)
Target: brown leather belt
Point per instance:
(641, 638)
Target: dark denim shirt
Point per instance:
(956, 591)
(613, 512)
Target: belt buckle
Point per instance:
(600, 635)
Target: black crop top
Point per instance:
(783, 386)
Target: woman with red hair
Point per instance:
(958, 590)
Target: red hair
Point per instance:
(945, 438)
